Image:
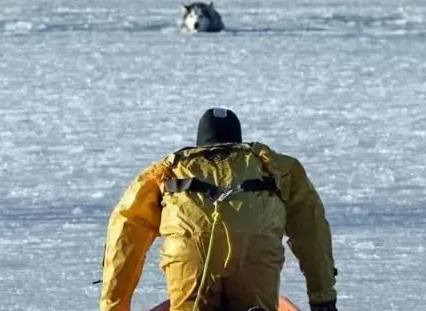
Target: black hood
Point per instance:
(218, 125)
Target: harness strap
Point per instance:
(195, 185)
(266, 184)
(190, 184)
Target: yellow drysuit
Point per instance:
(247, 253)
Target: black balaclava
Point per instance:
(218, 125)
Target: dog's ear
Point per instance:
(183, 9)
(211, 5)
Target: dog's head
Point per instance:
(197, 17)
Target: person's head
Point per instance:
(218, 125)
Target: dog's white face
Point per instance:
(195, 19)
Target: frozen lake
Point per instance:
(91, 92)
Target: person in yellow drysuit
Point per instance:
(223, 208)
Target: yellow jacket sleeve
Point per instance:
(132, 228)
(307, 227)
(309, 233)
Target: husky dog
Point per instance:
(200, 17)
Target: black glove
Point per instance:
(324, 306)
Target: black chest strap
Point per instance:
(212, 191)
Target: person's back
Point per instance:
(251, 197)
(247, 244)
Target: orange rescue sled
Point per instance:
(285, 304)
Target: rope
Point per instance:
(216, 219)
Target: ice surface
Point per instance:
(92, 92)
